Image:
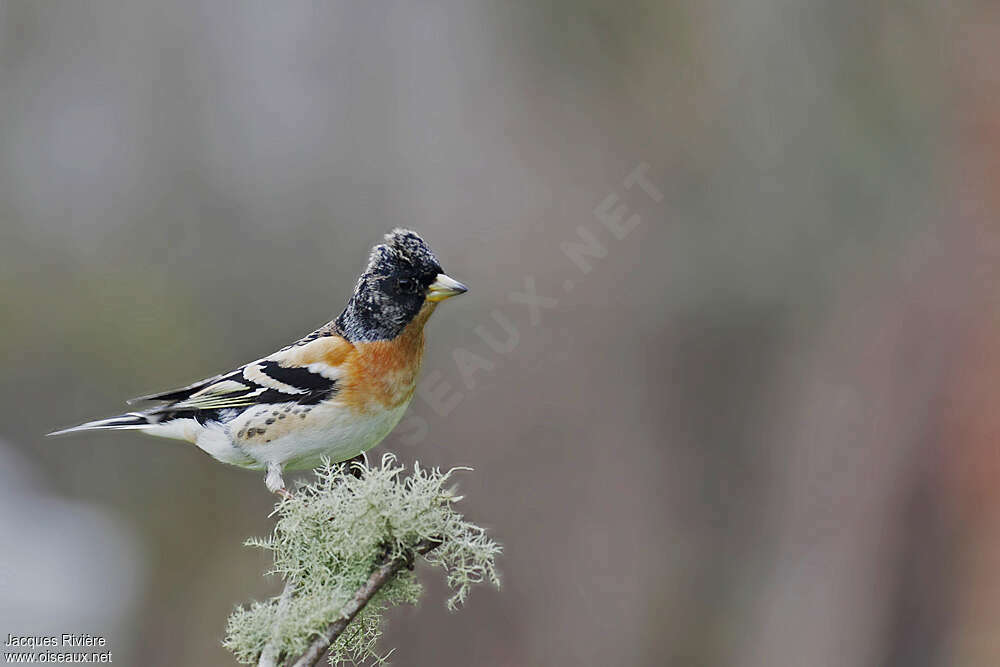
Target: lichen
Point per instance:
(333, 533)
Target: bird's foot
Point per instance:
(274, 482)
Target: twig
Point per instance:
(363, 595)
(269, 656)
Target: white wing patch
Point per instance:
(326, 370)
(224, 387)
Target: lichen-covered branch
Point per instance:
(361, 597)
(342, 545)
(269, 655)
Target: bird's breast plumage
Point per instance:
(382, 375)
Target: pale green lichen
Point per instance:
(334, 533)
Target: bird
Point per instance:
(331, 395)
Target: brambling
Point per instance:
(333, 394)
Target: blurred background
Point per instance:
(726, 373)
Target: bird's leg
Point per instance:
(274, 482)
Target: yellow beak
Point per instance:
(445, 287)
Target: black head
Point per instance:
(402, 274)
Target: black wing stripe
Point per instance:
(300, 378)
(273, 396)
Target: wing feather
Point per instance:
(182, 392)
(305, 372)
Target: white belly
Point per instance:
(298, 441)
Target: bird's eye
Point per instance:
(404, 283)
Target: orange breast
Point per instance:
(383, 374)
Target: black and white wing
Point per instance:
(262, 382)
(305, 372)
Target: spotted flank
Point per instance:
(332, 394)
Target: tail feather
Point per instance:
(131, 420)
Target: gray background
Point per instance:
(722, 445)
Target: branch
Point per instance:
(363, 595)
(269, 656)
